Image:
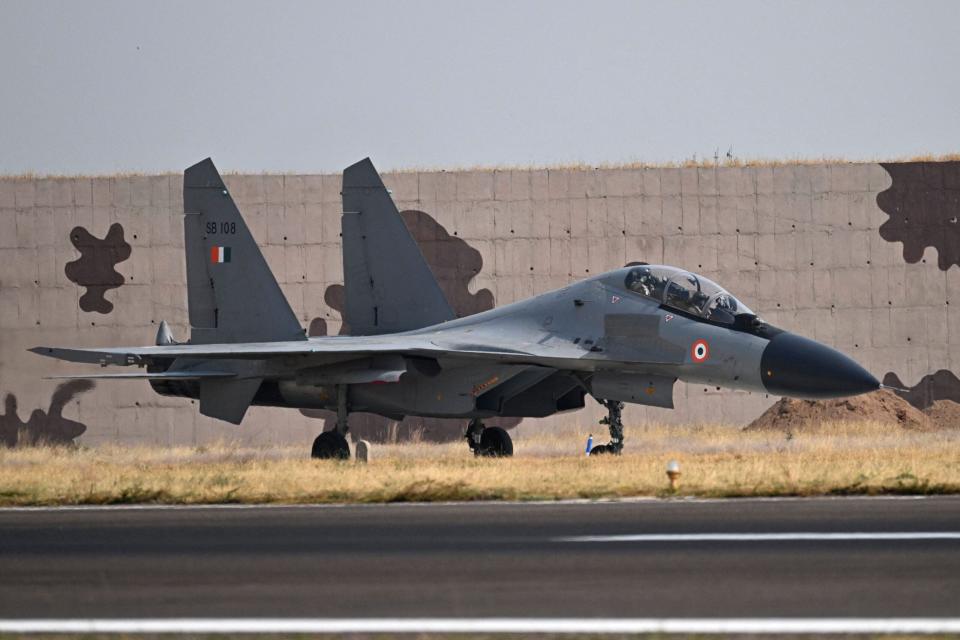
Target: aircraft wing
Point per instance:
(143, 375)
(333, 348)
(354, 346)
(230, 374)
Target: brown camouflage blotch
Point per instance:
(452, 260)
(942, 385)
(95, 268)
(923, 203)
(44, 427)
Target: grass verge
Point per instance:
(716, 461)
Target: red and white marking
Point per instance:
(700, 351)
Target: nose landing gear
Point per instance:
(614, 422)
(492, 442)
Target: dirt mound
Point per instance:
(881, 406)
(944, 413)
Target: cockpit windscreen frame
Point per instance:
(686, 292)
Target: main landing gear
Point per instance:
(614, 421)
(332, 445)
(492, 442)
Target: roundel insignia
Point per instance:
(700, 351)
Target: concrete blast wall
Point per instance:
(859, 256)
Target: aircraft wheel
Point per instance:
(495, 443)
(601, 449)
(330, 445)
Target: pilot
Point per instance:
(723, 309)
(697, 301)
(643, 281)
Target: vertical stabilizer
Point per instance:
(389, 285)
(232, 295)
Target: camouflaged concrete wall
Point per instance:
(860, 256)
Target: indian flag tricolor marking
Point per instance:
(219, 254)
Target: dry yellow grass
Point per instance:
(716, 461)
(703, 162)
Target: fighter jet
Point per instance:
(623, 336)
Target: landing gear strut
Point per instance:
(332, 445)
(615, 423)
(491, 442)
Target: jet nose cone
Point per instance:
(797, 367)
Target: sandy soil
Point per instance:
(882, 407)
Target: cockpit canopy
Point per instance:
(685, 291)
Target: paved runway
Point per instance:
(496, 560)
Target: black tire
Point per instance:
(600, 450)
(330, 445)
(495, 443)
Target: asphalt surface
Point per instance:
(480, 560)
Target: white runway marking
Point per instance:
(487, 625)
(766, 537)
